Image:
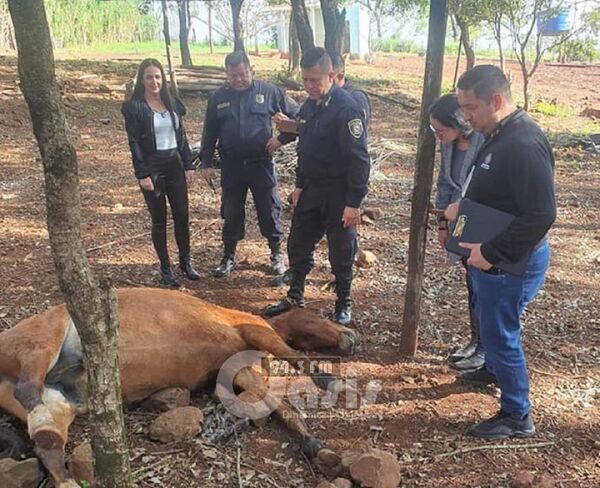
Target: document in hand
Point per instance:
(288, 126)
(479, 223)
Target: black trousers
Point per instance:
(258, 177)
(169, 181)
(319, 212)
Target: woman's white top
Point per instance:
(164, 133)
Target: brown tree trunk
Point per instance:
(238, 36)
(184, 33)
(466, 40)
(92, 307)
(434, 63)
(334, 21)
(302, 28)
(294, 48)
(497, 28)
(167, 34)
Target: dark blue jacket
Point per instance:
(361, 98)
(239, 123)
(139, 124)
(332, 144)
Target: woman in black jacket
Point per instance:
(162, 162)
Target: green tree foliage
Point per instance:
(85, 22)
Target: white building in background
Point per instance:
(357, 23)
(275, 20)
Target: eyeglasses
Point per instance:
(438, 132)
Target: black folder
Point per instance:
(479, 223)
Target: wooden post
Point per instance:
(167, 34)
(434, 62)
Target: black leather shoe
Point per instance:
(502, 426)
(188, 270)
(283, 306)
(343, 313)
(475, 361)
(225, 268)
(479, 377)
(168, 278)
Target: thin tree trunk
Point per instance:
(525, 90)
(438, 14)
(378, 24)
(210, 27)
(238, 35)
(302, 28)
(294, 48)
(457, 67)
(334, 21)
(91, 307)
(466, 40)
(498, 36)
(184, 45)
(167, 34)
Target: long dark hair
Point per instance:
(139, 89)
(448, 112)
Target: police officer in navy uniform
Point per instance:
(361, 98)
(331, 182)
(238, 123)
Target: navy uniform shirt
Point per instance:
(514, 173)
(361, 99)
(332, 144)
(239, 122)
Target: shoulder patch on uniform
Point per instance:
(223, 105)
(355, 126)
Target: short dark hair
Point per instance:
(485, 80)
(447, 111)
(337, 62)
(236, 58)
(316, 56)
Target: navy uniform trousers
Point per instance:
(319, 212)
(259, 177)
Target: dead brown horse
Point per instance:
(167, 339)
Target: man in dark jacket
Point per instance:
(513, 173)
(331, 182)
(361, 98)
(238, 123)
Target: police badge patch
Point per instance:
(356, 128)
(260, 98)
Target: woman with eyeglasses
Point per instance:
(162, 163)
(459, 146)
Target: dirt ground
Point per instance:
(421, 412)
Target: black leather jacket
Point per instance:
(139, 123)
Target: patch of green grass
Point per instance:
(551, 108)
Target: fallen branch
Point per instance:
(559, 375)
(486, 447)
(408, 105)
(143, 234)
(238, 460)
